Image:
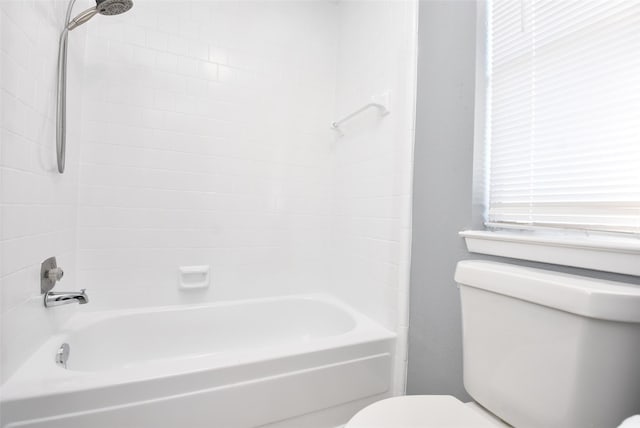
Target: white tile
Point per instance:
(143, 57)
(218, 55)
(37, 217)
(207, 141)
(198, 50)
(157, 40)
(208, 70)
(134, 34)
(10, 74)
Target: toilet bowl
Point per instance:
(424, 411)
(541, 349)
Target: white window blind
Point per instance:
(563, 114)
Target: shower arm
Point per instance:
(61, 92)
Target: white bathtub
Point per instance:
(235, 364)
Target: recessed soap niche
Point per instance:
(195, 277)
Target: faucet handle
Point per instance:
(55, 274)
(50, 273)
(82, 290)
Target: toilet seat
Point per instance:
(423, 411)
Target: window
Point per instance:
(561, 126)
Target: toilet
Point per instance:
(541, 349)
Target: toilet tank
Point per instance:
(549, 350)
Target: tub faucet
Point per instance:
(50, 273)
(51, 298)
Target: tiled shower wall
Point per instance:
(37, 205)
(374, 159)
(207, 142)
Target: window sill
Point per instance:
(606, 254)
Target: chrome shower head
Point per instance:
(103, 7)
(113, 7)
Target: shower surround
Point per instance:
(205, 140)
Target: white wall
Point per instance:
(374, 158)
(207, 142)
(37, 205)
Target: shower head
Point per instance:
(103, 7)
(113, 7)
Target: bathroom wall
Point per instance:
(37, 205)
(442, 193)
(442, 203)
(207, 142)
(373, 163)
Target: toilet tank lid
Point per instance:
(589, 297)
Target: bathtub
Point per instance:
(270, 362)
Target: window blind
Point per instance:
(562, 124)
